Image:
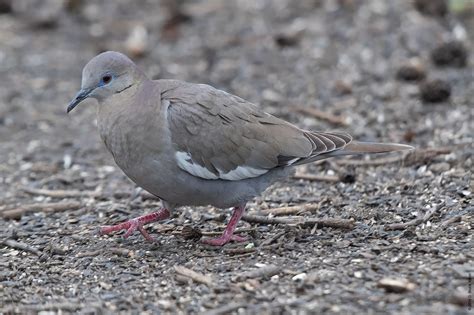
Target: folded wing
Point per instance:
(217, 135)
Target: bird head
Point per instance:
(104, 75)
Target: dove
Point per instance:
(194, 145)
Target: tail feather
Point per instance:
(356, 147)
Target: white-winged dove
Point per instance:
(193, 145)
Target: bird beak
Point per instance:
(80, 96)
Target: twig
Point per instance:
(239, 250)
(330, 222)
(92, 253)
(263, 272)
(420, 219)
(272, 239)
(451, 220)
(61, 193)
(318, 114)
(303, 222)
(21, 246)
(17, 213)
(318, 178)
(237, 231)
(195, 276)
(291, 210)
(414, 157)
(120, 251)
(227, 308)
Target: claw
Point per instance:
(228, 236)
(136, 224)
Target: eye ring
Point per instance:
(106, 78)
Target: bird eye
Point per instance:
(106, 79)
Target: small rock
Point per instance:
(271, 96)
(5, 6)
(285, 40)
(292, 35)
(395, 285)
(189, 232)
(435, 91)
(137, 42)
(299, 277)
(413, 70)
(432, 7)
(409, 135)
(348, 178)
(342, 87)
(460, 298)
(452, 54)
(440, 167)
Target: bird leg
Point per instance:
(137, 224)
(228, 236)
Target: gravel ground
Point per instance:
(381, 70)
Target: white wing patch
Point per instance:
(186, 163)
(242, 172)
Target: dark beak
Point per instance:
(82, 95)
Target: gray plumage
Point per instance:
(192, 144)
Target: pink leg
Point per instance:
(228, 236)
(137, 224)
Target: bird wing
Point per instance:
(217, 135)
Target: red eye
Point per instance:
(106, 79)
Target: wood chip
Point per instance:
(395, 285)
(21, 246)
(299, 221)
(18, 212)
(262, 272)
(62, 193)
(419, 220)
(195, 276)
(291, 209)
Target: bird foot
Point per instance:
(136, 224)
(223, 239)
(130, 226)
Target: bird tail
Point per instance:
(356, 147)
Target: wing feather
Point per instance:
(217, 135)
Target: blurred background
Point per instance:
(398, 71)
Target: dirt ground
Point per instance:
(381, 70)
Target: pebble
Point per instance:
(452, 54)
(412, 70)
(435, 91)
(432, 7)
(136, 43)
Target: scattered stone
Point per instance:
(452, 54)
(348, 177)
(435, 91)
(413, 70)
(342, 87)
(285, 40)
(432, 7)
(5, 6)
(460, 298)
(290, 36)
(136, 43)
(395, 285)
(190, 233)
